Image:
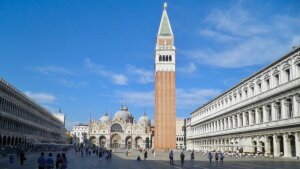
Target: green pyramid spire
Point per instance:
(165, 27)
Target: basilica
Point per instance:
(121, 131)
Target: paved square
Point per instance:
(120, 161)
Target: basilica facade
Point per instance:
(260, 115)
(121, 131)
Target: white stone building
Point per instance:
(258, 115)
(80, 134)
(122, 131)
(180, 133)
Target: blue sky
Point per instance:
(89, 56)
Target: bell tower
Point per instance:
(165, 86)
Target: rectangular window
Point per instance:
(252, 91)
(268, 84)
(259, 87)
(276, 79)
(288, 74)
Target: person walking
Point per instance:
(217, 157)
(182, 158)
(11, 159)
(171, 155)
(100, 154)
(49, 161)
(58, 161)
(192, 158)
(22, 158)
(145, 155)
(210, 156)
(64, 161)
(221, 157)
(41, 161)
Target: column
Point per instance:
(267, 146)
(229, 123)
(234, 121)
(225, 122)
(276, 146)
(259, 148)
(239, 119)
(283, 109)
(297, 143)
(257, 115)
(286, 145)
(296, 101)
(250, 117)
(244, 119)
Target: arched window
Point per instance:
(160, 58)
(116, 128)
(167, 58)
(170, 58)
(164, 59)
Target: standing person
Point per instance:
(217, 157)
(64, 161)
(192, 158)
(145, 155)
(11, 159)
(49, 161)
(41, 161)
(182, 158)
(221, 157)
(58, 161)
(22, 158)
(126, 152)
(109, 155)
(106, 155)
(100, 154)
(171, 155)
(210, 157)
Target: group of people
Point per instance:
(61, 161)
(218, 155)
(145, 155)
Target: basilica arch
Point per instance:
(138, 142)
(102, 141)
(128, 142)
(116, 141)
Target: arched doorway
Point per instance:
(128, 142)
(263, 150)
(115, 141)
(293, 146)
(102, 141)
(281, 148)
(254, 147)
(8, 140)
(93, 141)
(147, 142)
(138, 142)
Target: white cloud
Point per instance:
(71, 83)
(249, 41)
(143, 76)
(54, 70)
(118, 79)
(188, 69)
(41, 97)
(138, 98)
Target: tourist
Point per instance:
(100, 154)
(49, 161)
(217, 157)
(192, 158)
(81, 153)
(138, 158)
(11, 159)
(22, 158)
(145, 155)
(64, 161)
(109, 155)
(210, 157)
(58, 161)
(171, 155)
(106, 155)
(221, 157)
(126, 152)
(182, 158)
(41, 161)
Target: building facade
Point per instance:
(80, 133)
(122, 131)
(23, 121)
(165, 86)
(258, 115)
(180, 133)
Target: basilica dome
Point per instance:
(122, 114)
(104, 118)
(144, 120)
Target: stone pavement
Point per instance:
(120, 161)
